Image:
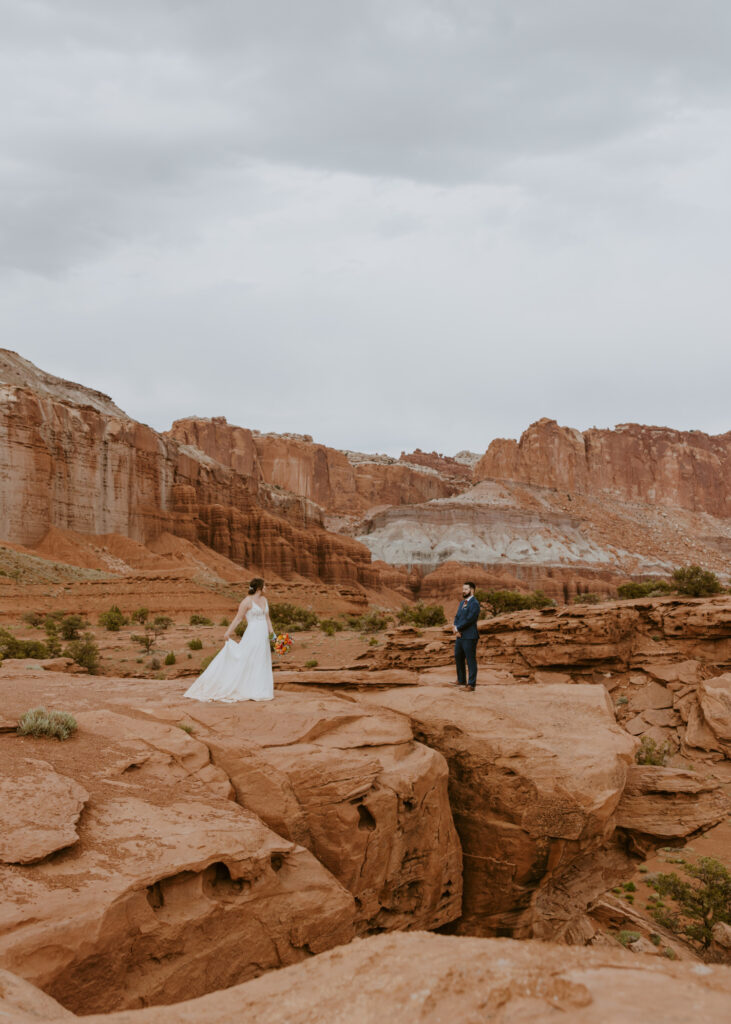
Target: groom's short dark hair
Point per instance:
(469, 584)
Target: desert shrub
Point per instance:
(12, 647)
(85, 652)
(290, 618)
(695, 581)
(33, 619)
(331, 626)
(701, 901)
(113, 619)
(622, 700)
(153, 631)
(422, 614)
(629, 887)
(140, 615)
(647, 588)
(370, 622)
(145, 640)
(170, 658)
(652, 752)
(207, 661)
(155, 663)
(195, 644)
(53, 644)
(626, 938)
(586, 598)
(224, 621)
(241, 628)
(504, 601)
(311, 663)
(59, 725)
(200, 620)
(373, 642)
(186, 727)
(70, 626)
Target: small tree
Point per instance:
(70, 626)
(140, 615)
(113, 619)
(153, 631)
(695, 581)
(85, 652)
(422, 614)
(200, 620)
(53, 644)
(700, 902)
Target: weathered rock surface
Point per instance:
(615, 636)
(429, 979)
(668, 803)
(536, 774)
(39, 812)
(171, 888)
(23, 1003)
(349, 783)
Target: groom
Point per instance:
(465, 637)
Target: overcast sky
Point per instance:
(385, 223)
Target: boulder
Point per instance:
(536, 773)
(668, 803)
(715, 703)
(651, 695)
(39, 812)
(348, 782)
(420, 978)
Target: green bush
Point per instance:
(291, 618)
(85, 652)
(140, 615)
(701, 901)
(155, 663)
(224, 622)
(312, 663)
(59, 725)
(145, 640)
(331, 626)
(186, 727)
(370, 622)
(195, 644)
(626, 938)
(422, 614)
(113, 619)
(590, 598)
(652, 752)
(504, 601)
(200, 620)
(12, 647)
(695, 581)
(153, 631)
(70, 626)
(170, 658)
(53, 644)
(33, 619)
(241, 628)
(647, 588)
(207, 661)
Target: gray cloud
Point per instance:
(374, 222)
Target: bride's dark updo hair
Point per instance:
(256, 584)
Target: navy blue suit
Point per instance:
(465, 646)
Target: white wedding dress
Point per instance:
(240, 671)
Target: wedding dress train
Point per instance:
(240, 671)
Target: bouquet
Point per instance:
(283, 643)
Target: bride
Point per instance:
(241, 671)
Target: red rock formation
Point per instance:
(69, 458)
(337, 481)
(685, 469)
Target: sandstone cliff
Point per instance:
(685, 469)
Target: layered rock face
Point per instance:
(686, 469)
(339, 482)
(69, 458)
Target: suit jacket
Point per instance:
(466, 618)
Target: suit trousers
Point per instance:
(466, 651)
